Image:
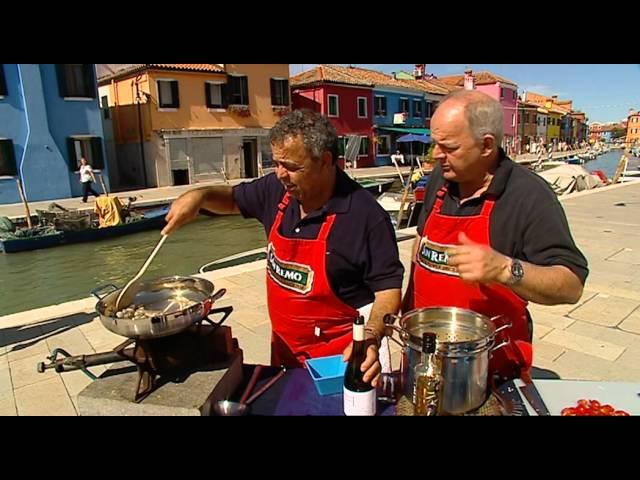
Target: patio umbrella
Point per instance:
(412, 137)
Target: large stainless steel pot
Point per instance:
(172, 304)
(465, 341)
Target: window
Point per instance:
(168, 94)
(384, 145)
(334, 110)
(104, 104)
(364, 146)
(501, 92)
(7, 159)
(215, 94)
(76, 80)
(404, 105)
(342, 143)
(417, 109)
(238, 90)
(87, 147)
(279, 92)
(3, 82)
(515, 94)
(362, 107)
(429, 110)
(381, 106)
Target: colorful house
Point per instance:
(344, 99)
(633, 130)
(500, 88)
(49, 119)
(177, 124)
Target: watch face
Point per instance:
(516, 269)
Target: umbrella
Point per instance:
(411, 137)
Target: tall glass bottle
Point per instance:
(359, 396)
(427, 379)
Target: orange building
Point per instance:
(633, 130)
(176, 124)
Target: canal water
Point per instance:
(56, 275)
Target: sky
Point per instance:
(605, 92)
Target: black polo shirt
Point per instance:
(362, 256)
(527, 221)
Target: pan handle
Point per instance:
(225, 310)
(96, 291)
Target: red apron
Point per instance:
(438, 284)
(308, 320)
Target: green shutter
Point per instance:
(62, 80)
(207, 94)
(3, 82)
(274, 96)
(245, 90)
(96, 153)
(224, 95)
(71, 155)
(285, 88)
(7, 159)
(89, 80)
(175, 93)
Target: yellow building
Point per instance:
(178, 124)
(553, 123)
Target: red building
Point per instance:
(346, 100)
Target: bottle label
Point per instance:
(359, 403)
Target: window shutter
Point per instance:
(89, 80)
(207, 94)
(62, 80)
(7, 158)
(274, 97)
(224, 95)
(175, 94)
(96, 153)
(245, 90)
(285, 90)
(73, 161)
(3, 83)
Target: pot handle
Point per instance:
(502, 327)
(389, 319)
(96, 291)
(500, 345)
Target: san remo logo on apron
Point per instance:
(293, 276)
(434, 256)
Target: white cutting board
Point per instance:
(559, 394)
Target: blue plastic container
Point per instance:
(327, 373)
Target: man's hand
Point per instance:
(371, 365)
(183, 210)
(479, 263)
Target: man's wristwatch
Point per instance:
(517, 271)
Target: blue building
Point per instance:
(49, 119)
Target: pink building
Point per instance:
(503, 90)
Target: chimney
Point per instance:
(554, 98)
(469, 80)
(393, 74)
(420, 70)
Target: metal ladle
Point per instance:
(226, 408)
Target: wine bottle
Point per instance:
(359, 396)
(427, 379)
